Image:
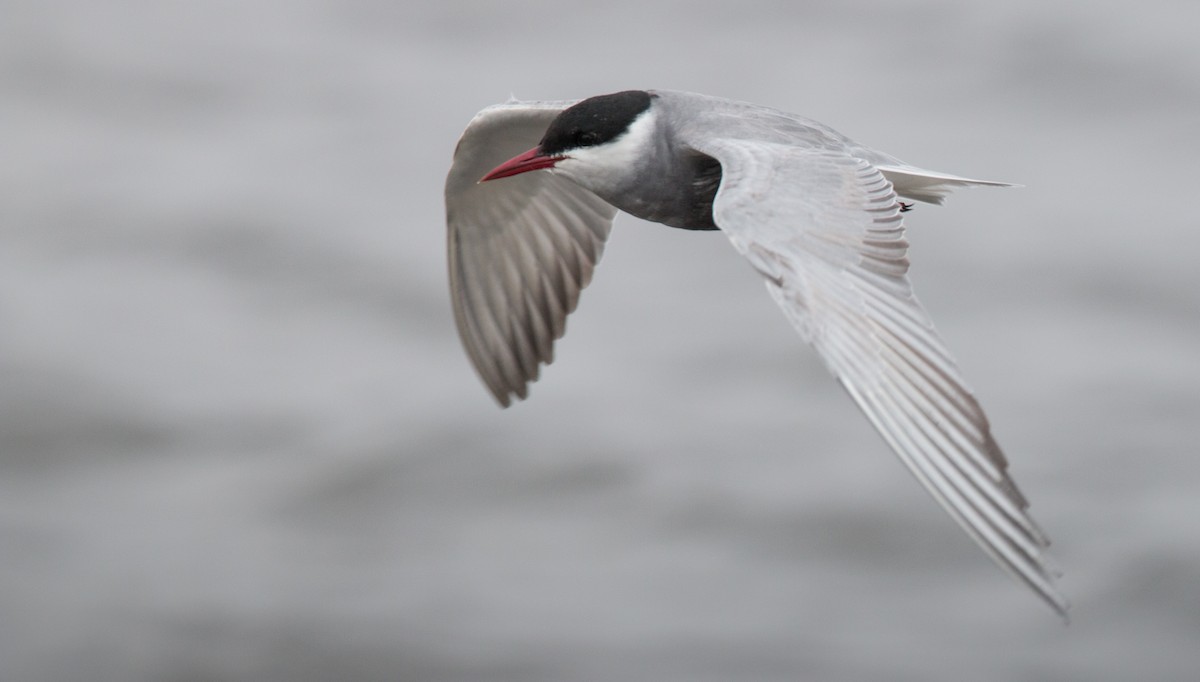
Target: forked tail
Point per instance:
(930, 186)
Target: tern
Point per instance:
(818, 215)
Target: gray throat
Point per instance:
(678, 192)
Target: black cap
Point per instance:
(594, 121)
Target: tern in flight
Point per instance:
(818, 215)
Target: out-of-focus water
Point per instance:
(239, 439)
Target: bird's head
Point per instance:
(590, 141)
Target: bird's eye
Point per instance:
(587, 138)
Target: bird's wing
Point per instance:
(825, 230)
(520, 249)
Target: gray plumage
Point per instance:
(814, 212)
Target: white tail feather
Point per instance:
(930, 186)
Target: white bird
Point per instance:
(814, 212)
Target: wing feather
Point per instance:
(825, 229)
(520, 250)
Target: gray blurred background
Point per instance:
(239, 439)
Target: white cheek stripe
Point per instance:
(619, 155)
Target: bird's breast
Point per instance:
(680, 195)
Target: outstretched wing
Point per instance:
(520, 249)
(825, 230)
